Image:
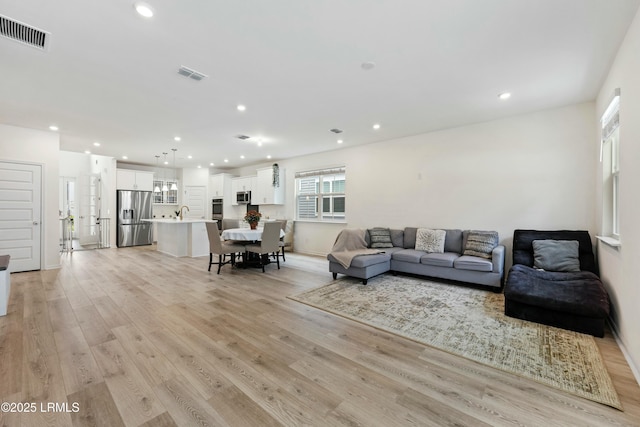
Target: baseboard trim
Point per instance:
(634, 369)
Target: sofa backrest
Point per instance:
(523, 246)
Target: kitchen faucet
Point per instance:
(181, 207)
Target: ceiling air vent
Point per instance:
(192, 74)
(335, 130)
(24, 33)
(243, 137)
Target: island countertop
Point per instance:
(178, 221)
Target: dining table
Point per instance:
(248, 235)
(245, 234)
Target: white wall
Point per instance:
(530, 171)
(620, 269)
(39, 147)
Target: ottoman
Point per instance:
(573, 300)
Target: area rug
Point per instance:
(471, 323)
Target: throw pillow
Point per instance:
(556, 255)
(430, 241)
(481, 243)
(380, 238)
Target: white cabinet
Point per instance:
(169, 197)
(220, 186)
(265, 193)
(243, 183)
(127, 179)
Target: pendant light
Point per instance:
(164, 182)
(174, 186)
(156, 189)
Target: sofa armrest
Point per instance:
(497, 258)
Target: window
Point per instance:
(320, 195)
(610, 158)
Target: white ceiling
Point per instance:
(111, 76)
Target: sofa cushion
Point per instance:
(430, 241)
(453, 241)
(408, 255)
(556, 255)
(480, 243)
(392, 250)
(410, 237)
(380, 238)
(440, 260)
(523, 246)
(397, 238)
(362, 261)
(468, 262)
(580, 293)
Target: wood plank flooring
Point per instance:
(133, 337)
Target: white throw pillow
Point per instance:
(431, 241)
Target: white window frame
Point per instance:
(610, 159)
(316, 195)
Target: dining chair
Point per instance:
(218, 247)
(282, 242)
(268, 244)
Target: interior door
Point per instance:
(20, 215)
(89, 209)
(195, 199)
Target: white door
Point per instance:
(89, 207)
(20, 215)
(195, 198)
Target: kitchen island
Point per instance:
(187, 237)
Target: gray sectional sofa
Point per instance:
(404, 258)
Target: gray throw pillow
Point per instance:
(481, 243)
(380, 238)
(556, 255)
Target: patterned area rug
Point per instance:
(471, 323)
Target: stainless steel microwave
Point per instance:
(243, 197)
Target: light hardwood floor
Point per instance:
(137, 338)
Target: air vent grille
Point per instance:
(243, 137)
(24, 33)
(191, 73)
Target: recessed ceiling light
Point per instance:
(53, 127)
(166, 162)
(189, 156)
(199, 166)
(376, 126)
(242, 156)
(269, 156)
(97, 144)
(226, 160)
(143, 9)
(124, 157)
(87, 152)
(177, 138)
(241, 107)
(368, 65)
(211, 164)
(504, 95)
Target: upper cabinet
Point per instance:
(269, 189)
(220, 186)
(127, 179)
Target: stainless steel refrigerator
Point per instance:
(133, 207)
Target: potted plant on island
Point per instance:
(253, 217)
